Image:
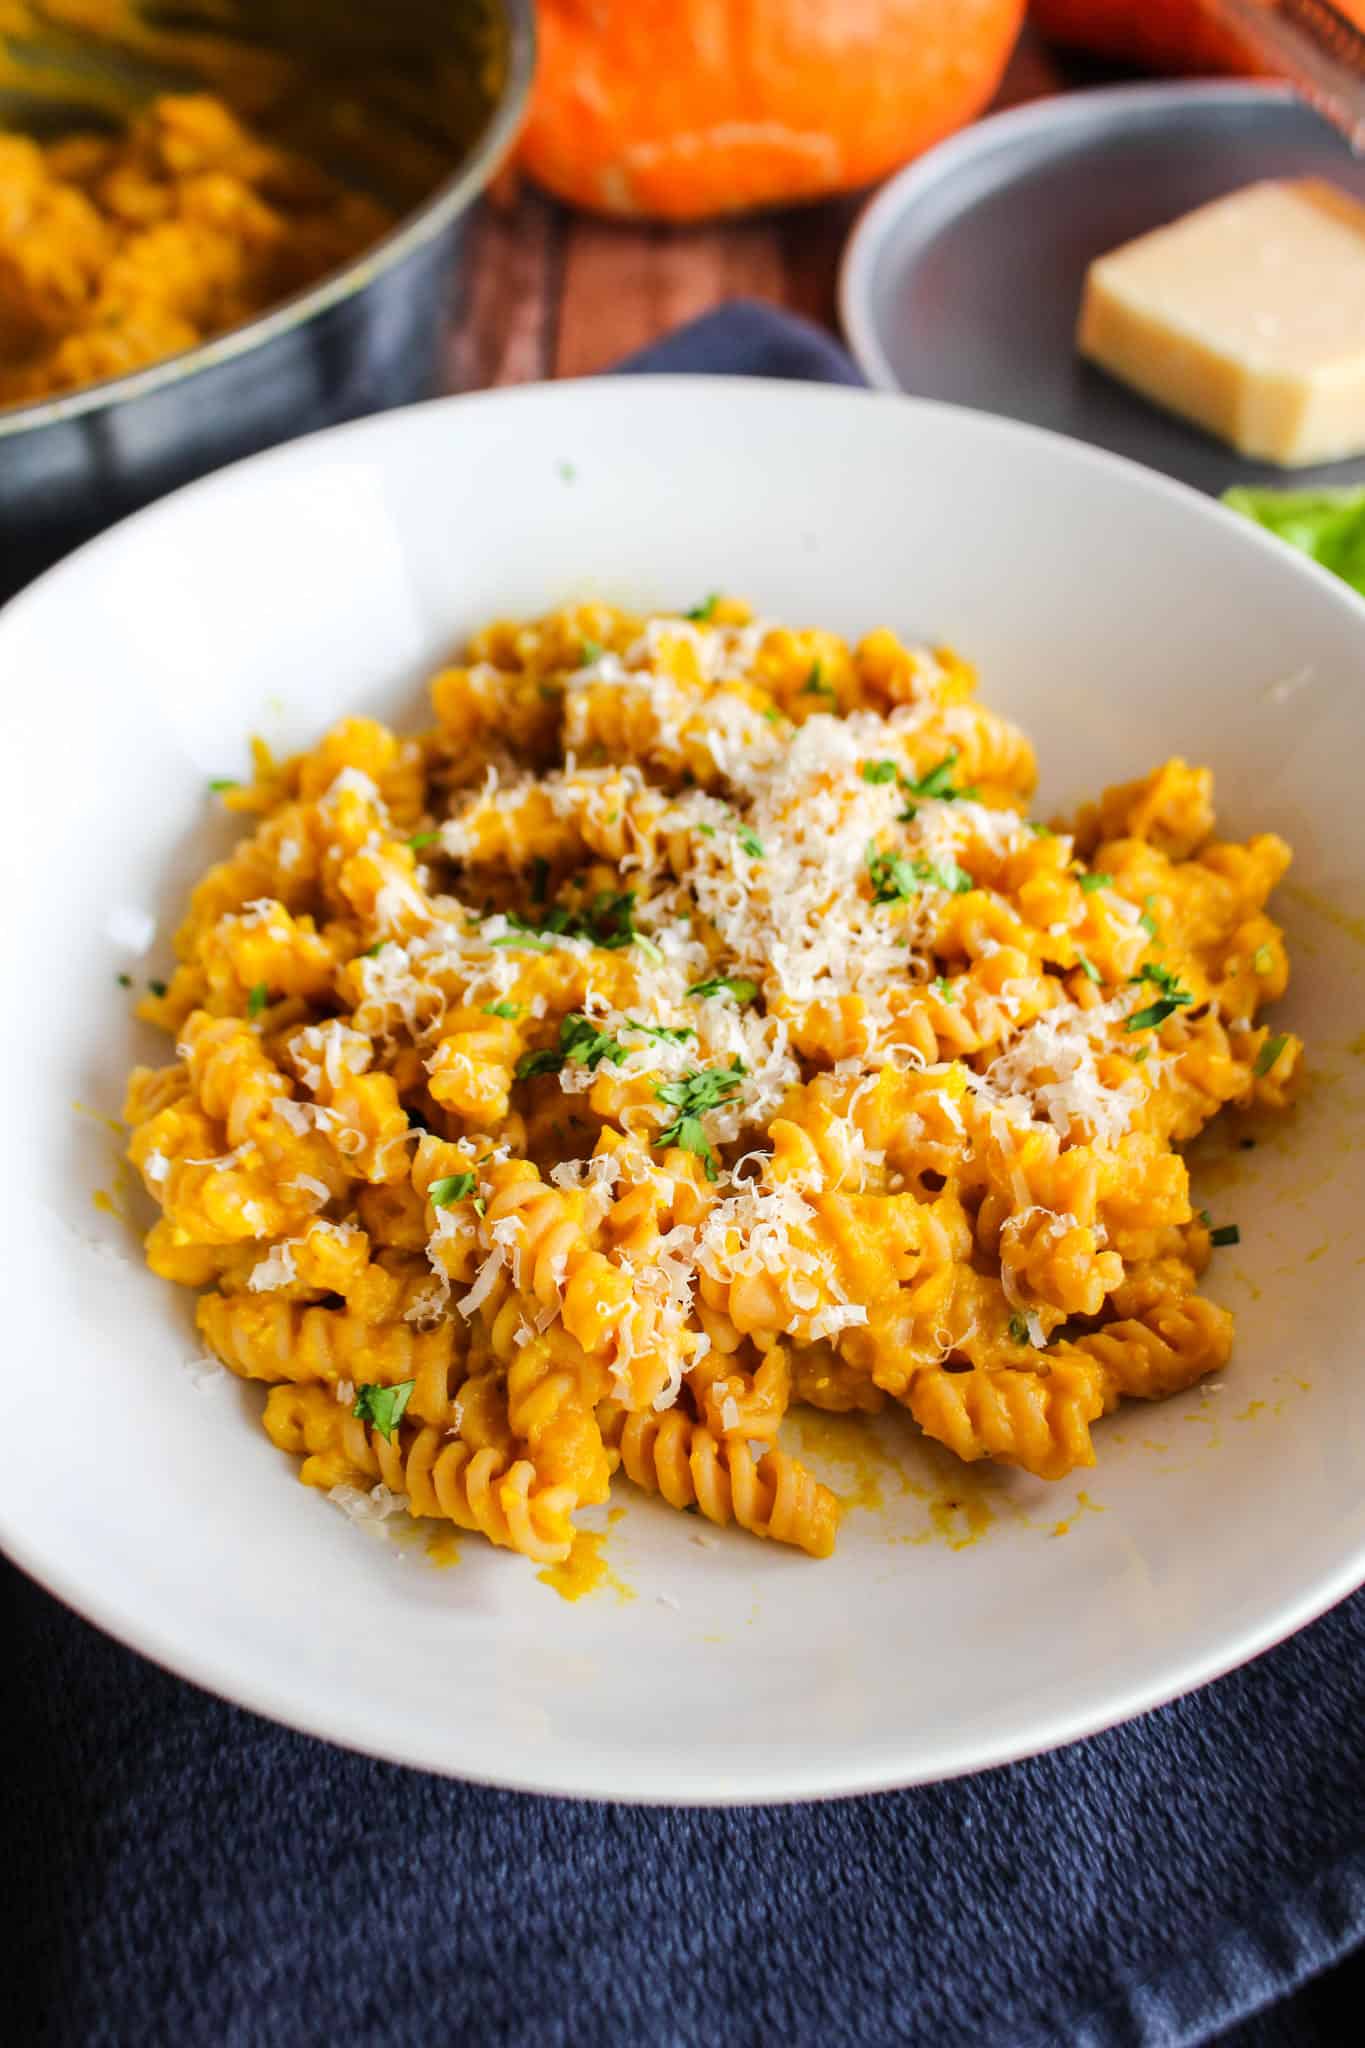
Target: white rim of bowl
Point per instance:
(345, 1722)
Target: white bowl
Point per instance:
(1121, 619)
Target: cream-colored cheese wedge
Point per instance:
(1248, 317)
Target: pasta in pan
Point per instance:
(692, 1023)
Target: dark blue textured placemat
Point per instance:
(176, 1870)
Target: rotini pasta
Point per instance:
(692, 1023)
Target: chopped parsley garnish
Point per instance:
(944, 990)
(1154, 1014)
(1205, 1218)
(705, 610)
(750, 843)
(158, 988)
(257, 1000)
(669, 1034)
(1088, 968)
(706, 1088)
(1262, 960)
(938, 782)
(815, 684)
(507, 1010)
(707, 831)
(1139, 1054)
(1147, 921)
(540, 879)
(1018, 1330)
(946, 875)
(608, 920)
(1173, 997)
(125, 981)
(1039, 829)
(377, 947)
(1270, 1052)
(896, 879)
(1089, 883)
(383, 1406)
(579, 1039)
(1166, 980)
(452, 1187)
(566, 472)
(772, 714)
(737, 985)
(590, 651)
(892, 877)
(222, 782)
(420, 839)
(1226, 1233)
(879, 771)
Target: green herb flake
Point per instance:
(1205, 1218)
(1147, 921)
(547, 693)
(878, 771)
(125, 980)
(1018, 1330)
(421, 839)
(1154, 1015)
(667, 1034)
(892, 876)
(938, 783)
(158, 988)
(944, 990)
(707, 831)
(815, 684)
(1262, 960)
(579, 1039)
(505, 1010)
(370, 951)
(750, 843)
(222, 782)
(452, 1187)
(1088, 968)
(383, 1406)
(706, 1088)
(1173, 997)
(700, 613)
(257, 1000)
(772, 714)
(737, 985)
(1269, 1053)
(1089, 883)
(540, 879)
(590, 651)
(1226, 1233)
(566, 472)
(1039, 829)
(1139, 1054)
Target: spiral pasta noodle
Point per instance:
(693, 1023)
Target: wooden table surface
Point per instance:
(560, 294)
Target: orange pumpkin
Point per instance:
(1159, 35)
(680, 109)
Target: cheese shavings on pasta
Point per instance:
(694, 1022)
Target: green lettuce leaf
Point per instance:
(1328, 526)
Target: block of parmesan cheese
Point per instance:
(1248, 317)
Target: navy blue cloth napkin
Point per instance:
(176, 1870)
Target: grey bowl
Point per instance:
(963, 278)
(367, 337)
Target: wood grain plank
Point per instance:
(503, 325)
(623, 285)
(554, 293)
